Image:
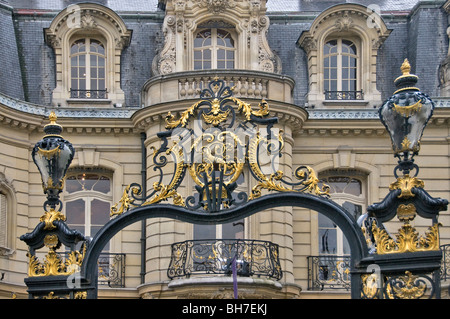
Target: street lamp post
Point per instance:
(408, 264)
(53, 155)
(54, 277)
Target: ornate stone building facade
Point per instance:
(112, 70)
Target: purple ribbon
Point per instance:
(234, 270)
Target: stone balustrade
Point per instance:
(188, 85)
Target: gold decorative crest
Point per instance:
(50, 216)
(215, 155)
(53, 264)
(406, 184)
(408, 240)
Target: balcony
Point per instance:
(344, 95)
(111, 270)
(333, 272)
(188, 85)
(88, 94)
(215, 256)
(328, 272)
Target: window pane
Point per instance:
(338, 183)
(352, 73)
(93, 60)
(204, 232)
(354, 209)
(229, 42)
(101, 73)
(207, 54)
(354, 187)
(87, 180)
(74, 61)
(345, 73)
(93, 84)
(99, 212)
(221, 54)
(333, 73)
(207, 65)
(72, 185)
(75, 212)
(197, 65)
(333, 85)
(81, 60)
(82, 84)
(74, 84)
(221, 64)
(325, 222)
(103, 185)
(345, 61)
(230, 65)
(345, 86)
(234, 230)
(220, 41)
(73, 72)
(327, 241)
(197, 55)
(101, 85)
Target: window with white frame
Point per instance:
(214, 48)
(3, 220)
(88, 40)
(348, 190)
(340, 67)
(88, 198)
(88, 69)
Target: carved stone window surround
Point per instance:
(345, 20)
(184, 18)
(96, 22)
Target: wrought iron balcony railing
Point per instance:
(344, 95)
(111, 270)
(88, 94)
(215, 256)
(445, 264)
(328, 272)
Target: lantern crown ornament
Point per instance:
(53, 155)
(405, 115)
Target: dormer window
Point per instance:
(88, 40)
(342, 54)
(214, 49)
(340, 70)
(88, 70)
(204, 35)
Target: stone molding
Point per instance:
(345, 20)
(95, 21)
(249, 22)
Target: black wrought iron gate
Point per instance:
(214, 152)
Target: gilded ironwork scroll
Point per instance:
(209, 143)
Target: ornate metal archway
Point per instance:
(209, 144)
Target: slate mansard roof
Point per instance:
(28, 63)
(272, 5)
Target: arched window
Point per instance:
(88, 198)
(348, 190)
(7, 222)
(340, 67)
(214, 49)
(87, 69)
(3, 220)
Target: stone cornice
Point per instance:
(29, 116)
